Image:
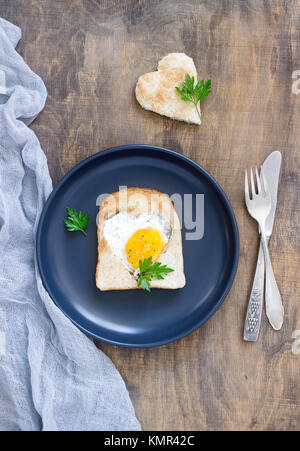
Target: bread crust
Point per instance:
(155, 91)
(111, 274)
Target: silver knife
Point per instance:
(271, 168)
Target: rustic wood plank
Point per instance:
(90, 54)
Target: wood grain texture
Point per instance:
(90, 54)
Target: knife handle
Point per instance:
(255, 304)
(274, 307)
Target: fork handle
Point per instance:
(274, 307)
(255, 304)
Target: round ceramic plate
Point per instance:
(135, 318)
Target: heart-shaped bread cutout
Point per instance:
(156, 91)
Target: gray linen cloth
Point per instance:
(52, 377)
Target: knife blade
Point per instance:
(271, 168)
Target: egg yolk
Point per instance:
(144, 243)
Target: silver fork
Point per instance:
(259, 206)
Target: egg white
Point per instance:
(120, 227)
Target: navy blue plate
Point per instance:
(135, 318)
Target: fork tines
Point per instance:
(260, 184)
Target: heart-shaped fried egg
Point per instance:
(134, 238)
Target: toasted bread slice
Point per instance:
(155, 91)
(111, 274)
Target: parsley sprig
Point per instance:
(147, 270)
(191, 93)
(77, 222)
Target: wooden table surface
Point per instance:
(90, 54)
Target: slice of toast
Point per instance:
(155, 91)
(111, 274)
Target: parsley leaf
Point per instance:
(191, 93)
(76, 222)
(147, 269)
